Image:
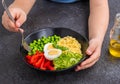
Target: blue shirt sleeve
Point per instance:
(65, 1)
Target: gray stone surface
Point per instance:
(13, 70)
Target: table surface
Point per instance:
(13, 70)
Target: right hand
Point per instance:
(18, 14)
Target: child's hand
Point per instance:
(19, 16)
(93, 51)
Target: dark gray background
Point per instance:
(13, 70)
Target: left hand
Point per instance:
(93, 51)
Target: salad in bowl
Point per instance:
(52, 49)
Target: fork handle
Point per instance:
(7, 11)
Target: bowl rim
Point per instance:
(36, 31)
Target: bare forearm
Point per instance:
(98, 19)
(25, 5)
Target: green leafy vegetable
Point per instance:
(60, 47)
(66, 60)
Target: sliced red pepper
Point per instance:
(42, 63)
(39, 53)
(38, 63)
(50, 67)
(47, 64)
(28, 57)
(34, 59)
(38, 60)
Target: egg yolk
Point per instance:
(50, 47)
(53, 52)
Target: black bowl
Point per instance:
(60, 32)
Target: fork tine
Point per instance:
(24, 43)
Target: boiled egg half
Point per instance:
(50, 52)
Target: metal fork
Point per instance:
(24, 43)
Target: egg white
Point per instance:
(52, 57)
(46, 46)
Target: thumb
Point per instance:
(18, 24)
(19, 15)
(21, 18)
(91, 48)
(20, 21)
